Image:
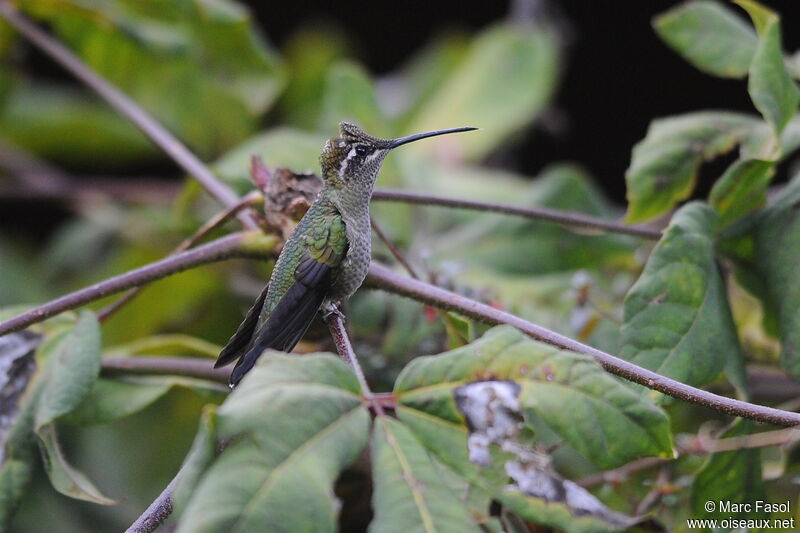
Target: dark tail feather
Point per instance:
(287, 323)
(244, 334)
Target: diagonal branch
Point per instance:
(565, 218)
(384, 278)
(212, 223)
(159, 135)
(236, 245)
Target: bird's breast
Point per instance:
(354, 267)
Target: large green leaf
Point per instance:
(503, 82)
(733, 476)
(200, 66)
(741, 190)
(421, 78)
(771, 88)
(294, 423)
(69, 374)
(70, 371)
(67, 364)
(709, 36)
(676, 316)
(664, 165)
(567, 391)
(110, 399)
(66, 125)
(409, 495)
(777, 248)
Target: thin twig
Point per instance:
(384, 278)
(234, 245)
(127, 108)
(654, 494)
(538, 213)
(392, 248)
(702, 444)
(618, 475)
(345, 349)
(212, 223)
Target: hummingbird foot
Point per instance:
(330, 309)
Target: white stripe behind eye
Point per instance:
(346, 161)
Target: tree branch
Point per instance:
(158, 511)
(384, 278)
(236, 245)
(192, 367)
(537, 213)
(159, 135)
(212, 223)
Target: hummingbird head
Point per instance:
(353, 159)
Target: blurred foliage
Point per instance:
(719, 289)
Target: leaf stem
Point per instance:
(124, 105)
(384, 278)
(564, 218)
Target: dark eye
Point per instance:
(361, 150)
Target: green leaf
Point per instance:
(567, 391)
(297, 422)
(777, 247)
(460, 330)
(110, 400)
(771, 88)
(167, 344)
(409, 496)
(664, 165)
(506, 78)
(200, 65)
(71, 371)
(710, 37)
(66, 479)
(67, 125)
(741, 190)
(350, 95)
(733, 476)
(676, 316)
(202, 453)
(421, 78)
(515, 245)
(281, 147)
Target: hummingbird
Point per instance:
(327, 256)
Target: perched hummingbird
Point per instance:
(327, 256)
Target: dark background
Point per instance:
(617, 74)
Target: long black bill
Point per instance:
(394, 143)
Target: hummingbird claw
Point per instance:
(330, 309)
